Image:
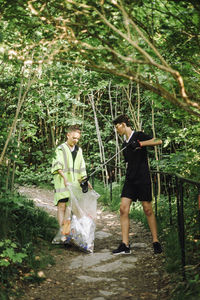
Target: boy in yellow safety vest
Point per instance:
(68, 166)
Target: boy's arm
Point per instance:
(64, 178)
(151, 142)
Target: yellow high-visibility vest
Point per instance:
(73, 170)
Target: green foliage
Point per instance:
(61, 94)
(33, 176)
(9, 254)
(110, 195)
(172, 251)
(171, 26)
(25, 232)
(170, 237)
(189, 290)
(137, 213)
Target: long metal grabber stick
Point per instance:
(102, 165)
(84, 182)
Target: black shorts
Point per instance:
(64, 200)
(141, 192)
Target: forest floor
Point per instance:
(101, 275)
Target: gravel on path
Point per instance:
(100, 275)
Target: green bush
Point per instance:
(108, 198)
(40, 176)
(26, 233)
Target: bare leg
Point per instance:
(66, 221)
(67, 213)
(148, 210)
(124, 219)
(61, 212)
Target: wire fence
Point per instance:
(183, 207)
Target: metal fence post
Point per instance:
(181, 229)
(170, 201)
(111, 189)
(176, 188)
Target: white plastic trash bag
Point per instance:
(83, 203)
(82, 233)
(83, 222)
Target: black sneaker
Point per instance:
(157, 248)
(122, 249)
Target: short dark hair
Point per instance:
(73, 128)
(122, 119)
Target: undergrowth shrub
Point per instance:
(24, 237)
(31, 176)
(109, 195)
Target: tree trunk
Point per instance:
(21, 99)
(138, 108)
(131, 108)
(101, 147)
(117, 148)
(156, 152)
(14, 163)
(8, 174)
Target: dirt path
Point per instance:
(100, 275)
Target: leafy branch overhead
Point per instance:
(128, 39)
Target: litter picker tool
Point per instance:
(84, 181)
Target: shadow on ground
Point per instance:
(100, 275)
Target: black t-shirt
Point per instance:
(137, 170)
(74, 152)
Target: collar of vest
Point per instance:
(76, 148)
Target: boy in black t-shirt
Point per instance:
(137, 184)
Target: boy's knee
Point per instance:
(148, 211)
(61, 206)
(125, 206)
(147, 207)
(124, 210)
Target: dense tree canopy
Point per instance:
(153, 43)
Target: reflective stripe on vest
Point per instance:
(66, 169)
(69, 170)
(65, 157)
